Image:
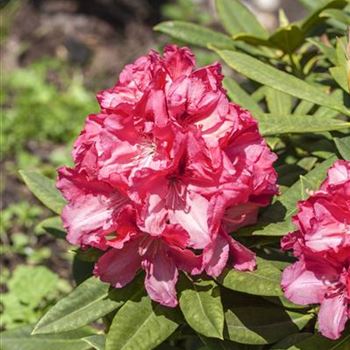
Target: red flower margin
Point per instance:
(322, 245)
(163, 173)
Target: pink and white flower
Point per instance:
(322, 245)
(163, 173)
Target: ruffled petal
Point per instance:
(333, 315)
(161, 278)
(119, 266)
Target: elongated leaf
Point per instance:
(278, 216)
(21, 339)
(340, 76)
(87, 303)
(201, 305)
(194, 34)
(240, 96)
(96, 341)
(53, 226)
(287, 39)
(272, 77)
(303, 108)
(315, 342)
(265, 280)
(314, 18)
(286, 203)
(339, 15)
(278, 102)
(343, 145)
(141, 325)
(44, 189)
(291, 340)
(273, 229)
(236, 18)
(258, 324)
(276, 124)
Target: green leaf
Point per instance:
(339, 74)
(262, 324)
(141, 325)
(44, 189)
(87, 303)
(21, 339)
(277, 124)
(315, 18)
(238, 95)
(200, 302)
(265, 280)
(272, 229)
(340, 16)
(278, 102)
(291, 340)
(278, 216)
(286, 203)
(236, 18)
(287, 39)
(194, 34)
(96, 341)
(53, 226)
(281, 81)
(343, 145)
(328, 51)
(315, 342)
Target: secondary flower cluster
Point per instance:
(163, 173)
(322, 246)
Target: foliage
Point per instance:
(42, 104)
(31, 290)
(293, 83)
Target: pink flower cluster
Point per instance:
(163, 173)
(322, 246)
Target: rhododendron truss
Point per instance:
(164, 173)
(322, 245)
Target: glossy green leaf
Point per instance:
(278, 102)
(340, 76)
(201, 305)
(87, 303)
(314, 18)
(265, 280)
(343, 145)
(260, 324)
(291, 340)
(276, 124)
(44, 189)
(238, 95)
(281, 81)
(96, 341)
(194, 34)
(276, 220)
(272, 229)
(287, 39)
(339, 15)
(141, 325)
(236, 18)
(316, 341)
(53, 226)
(286, 203)
(328, 51)
(21, 339)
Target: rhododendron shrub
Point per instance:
(185, 182)
(322, 246)
(164, 173)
